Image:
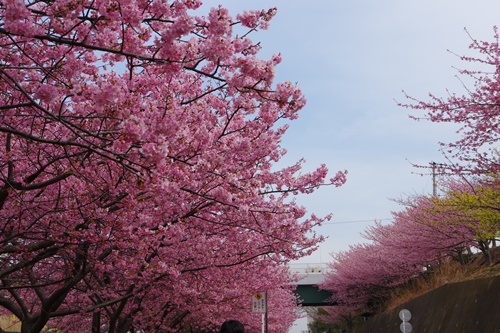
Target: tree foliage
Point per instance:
(475, 205)
(137, 176)
(476, 112)
(426, 233)
(363, 277)
(430, 229)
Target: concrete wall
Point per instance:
(464, 307)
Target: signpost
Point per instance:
(405, 316)
(259, 305)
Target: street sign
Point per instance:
(405, 315)
(406, 327)
(259, 303)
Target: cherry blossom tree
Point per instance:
(423, 232)
(362, 278)
(421, 237)
(138, 179)
(476, 111)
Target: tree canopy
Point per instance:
(430, 230)
(139, 187)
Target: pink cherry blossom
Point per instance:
(475, 111)
(138, 175)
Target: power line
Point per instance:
(356, 221)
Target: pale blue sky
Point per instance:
(353, 59)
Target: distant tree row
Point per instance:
(431, 230)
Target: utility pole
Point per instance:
(434, 185)
(434, 167)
